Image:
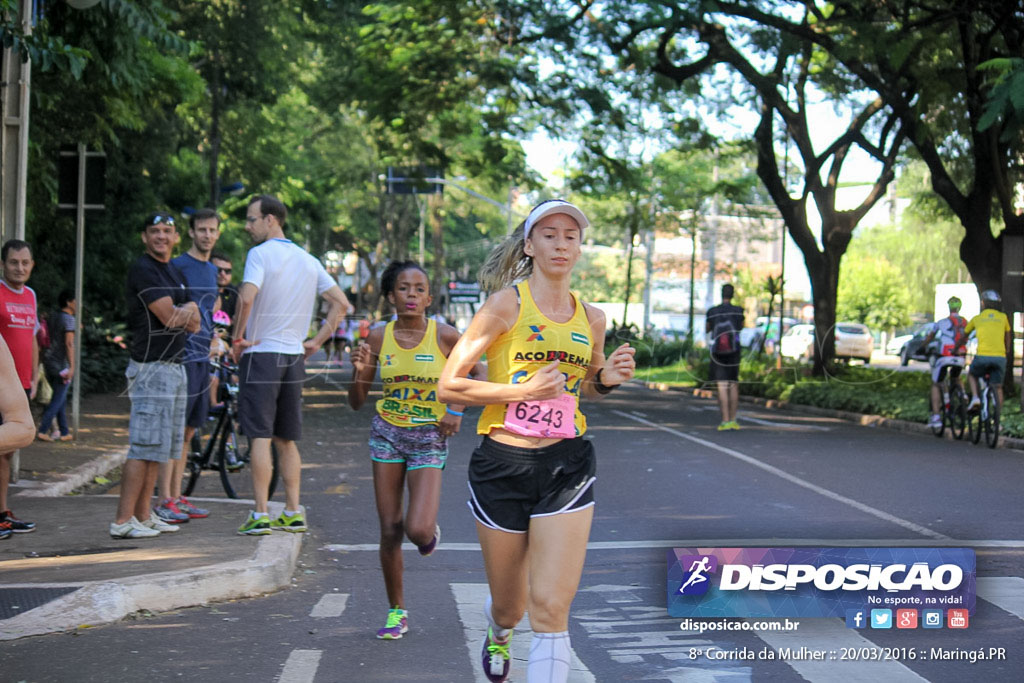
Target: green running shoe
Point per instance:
(397, 624)
(255, 526)
(496, 656)
(293, 523)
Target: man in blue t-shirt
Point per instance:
(201, 278)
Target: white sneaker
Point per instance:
(936, 421)
(131, 529)
(975, 404)
(160, 525)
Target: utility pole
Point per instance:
(17, 77)
(17, 80)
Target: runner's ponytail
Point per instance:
(507, 263)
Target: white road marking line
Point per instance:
(300, 667)
(610, 626)
(893, 519)
(470, 597)
(330, 605)
(783, 425)
(728, 543)
(1005, 592)
(832, 634)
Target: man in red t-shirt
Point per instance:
(18, 328)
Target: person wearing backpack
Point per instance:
(59, 366)
(723, 325)
(947, 355)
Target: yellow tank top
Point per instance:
(530, 344)
(410, 379)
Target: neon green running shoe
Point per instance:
(397, 624)
(294, 523)
(255, 526)
(497, 657)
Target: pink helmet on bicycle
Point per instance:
(222, 319)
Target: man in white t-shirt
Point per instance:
(275, 306)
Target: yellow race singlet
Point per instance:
(530, 344)
(410, 379)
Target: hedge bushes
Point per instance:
(873, 391)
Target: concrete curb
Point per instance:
(83, 474)
(906, 426)
(269, 569)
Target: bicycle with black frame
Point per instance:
(219, 447)
(953, 409)
(986, 417)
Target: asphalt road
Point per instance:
(666, 478)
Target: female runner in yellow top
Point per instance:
(408, 435)
(531, 479)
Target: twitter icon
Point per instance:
(881, 618)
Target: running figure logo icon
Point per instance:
(695, 582)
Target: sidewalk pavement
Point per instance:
(70, 573)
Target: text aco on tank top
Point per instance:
(531, 343)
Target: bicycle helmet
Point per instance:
(954, 303)
(991, 295)
(221, 319)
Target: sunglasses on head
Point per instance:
(162, 218)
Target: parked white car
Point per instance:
(853, 340)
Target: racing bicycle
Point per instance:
(986, 418)
(954, 407)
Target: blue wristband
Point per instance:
(453, 412)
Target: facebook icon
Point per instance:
(855, 618)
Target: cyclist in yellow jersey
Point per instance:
(531, 479)
(408, 435)
(993, 330)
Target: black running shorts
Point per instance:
(508, 485)
(724, 368)
(270, 395)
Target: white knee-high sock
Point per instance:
(499, 632)
(549, 658)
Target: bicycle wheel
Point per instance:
(974, 426)
(194, 465)
(227, 452)
(940, 428)
(273, 472)
(992, 420)
(958, 413)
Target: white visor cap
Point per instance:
(554, 206)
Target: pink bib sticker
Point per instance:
(552, 419)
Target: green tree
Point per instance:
(689, 43)
(873, 291)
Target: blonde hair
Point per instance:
(507, 263)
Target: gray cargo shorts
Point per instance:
(156, 428)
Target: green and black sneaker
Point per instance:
(255, 526)
(294, 523)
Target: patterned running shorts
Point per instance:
(416, 447)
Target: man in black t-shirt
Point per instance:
(723, 326)
(159, 314)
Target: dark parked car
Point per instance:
(914, 348)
